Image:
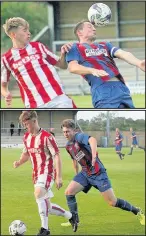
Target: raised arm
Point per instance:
(130, 58)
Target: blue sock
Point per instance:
(124, 205)
(72, 204)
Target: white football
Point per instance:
(17, 227)
(99, 14)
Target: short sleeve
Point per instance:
(82, 138)
(52, 145)
(73, 54)
(5, 72)
(50, 56)
(111, 49)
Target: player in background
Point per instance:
(94, 61)
(40, 147)
(134, 142)
(32, 65)
(83, 150)
(118, 144)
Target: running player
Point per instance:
(94, 61)
(41, 148)
(118, 144)
(83, 150)
(32, 65)
(134, 142)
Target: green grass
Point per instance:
(82, 101)
(97, 218)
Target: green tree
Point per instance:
(34, 12)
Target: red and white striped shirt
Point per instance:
(33, 69)
(41, 148)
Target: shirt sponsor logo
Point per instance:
(95, 52)
(25, 60)
(79, 156)
(34, 150)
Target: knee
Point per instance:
(112, 203)
(38, 193)
(69, 191)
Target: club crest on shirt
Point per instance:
(95, 52)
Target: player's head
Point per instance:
(85, 31)
(17, 29)
(29, 120)
(69, 128)
(131, 129)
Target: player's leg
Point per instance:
(108, 194)
(43, 206)
(78, 184)
(131, 150)
(59, 211)
(118, 151)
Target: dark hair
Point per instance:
(68, 123)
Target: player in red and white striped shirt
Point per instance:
(41, 148)
(32, 65)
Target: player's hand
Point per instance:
(93, 161)
(66, 47)
(98, 73)
(142, 65)
(8, 100)
(16, 164)
(58, 183)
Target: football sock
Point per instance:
(120, 155)
(124, 205)
(57, 210)
(72, 204)
(131, 150)
(43, 211)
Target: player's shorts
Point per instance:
(118, 148)
(111, 95)
(62, 101)
(45, 181)
(134, 142)
(100, 182)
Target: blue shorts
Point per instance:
(111, 95)
(134, 142)
(100, 182)
(118, 148)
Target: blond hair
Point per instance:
(28, 115)
(13, 24)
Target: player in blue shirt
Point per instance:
(94, 61)
(83, 150)
(134, 142)
(118, 144)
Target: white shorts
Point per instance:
(62, 101)
(45, 181)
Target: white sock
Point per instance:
(59, 211)
(43, 211)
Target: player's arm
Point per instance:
(62, 61)
(76, 166)
(130, 58)
(24, 158)
(58, 165)
(75, 68)
(93, 144)
(5, 77)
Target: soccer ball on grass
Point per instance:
(17, 227)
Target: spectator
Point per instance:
(12, 126)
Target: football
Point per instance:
(17, 227)
(99, 14)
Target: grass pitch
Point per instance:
(82, 101)
(97, 218)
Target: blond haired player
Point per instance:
(40, 147)
(32, 65)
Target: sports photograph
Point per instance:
(74, 54)
(70, 172)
